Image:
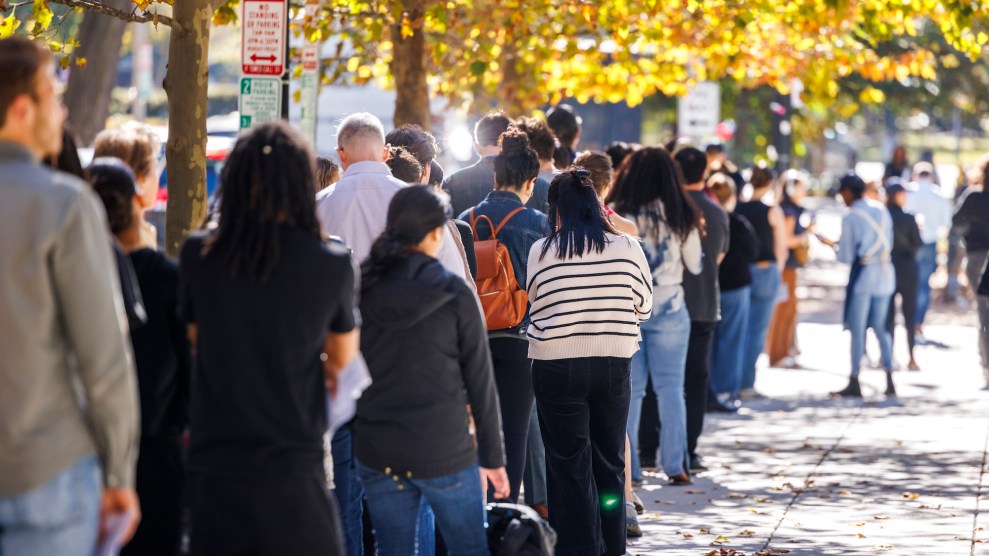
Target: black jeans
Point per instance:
(262, 516)
(695, 385)
(160, 479)
(583, 411)
(907, 287)
(513, 378)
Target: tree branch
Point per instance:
(96, 6)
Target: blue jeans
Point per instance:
(60, 517)
(348, 490)
(729, 342)
(869, 311)
(765, 287)
(457, 501)
(662, 356)
(926, 265)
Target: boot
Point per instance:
(890, 389)
(853, 390)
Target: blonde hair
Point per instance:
(136, 145)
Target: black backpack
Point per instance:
(517, 530)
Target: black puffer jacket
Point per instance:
(426, 347)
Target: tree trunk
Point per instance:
(408, 68)
(186, 85)
(87, 97)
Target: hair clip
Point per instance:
(582, 173)
(266, 149)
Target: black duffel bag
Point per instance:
(517, 530)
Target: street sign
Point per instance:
(260, 101)
(309, 82)
(263, 34)
(699, 112)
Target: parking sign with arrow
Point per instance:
(263, 37)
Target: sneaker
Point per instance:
(632, 528)
(751, 394)
(853, 390)
(637, 502)
(697, 464)
(890, 388)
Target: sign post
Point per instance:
(699, 112)
(309, 86)
(264, 34)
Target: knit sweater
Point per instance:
(590, 305)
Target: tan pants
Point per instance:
(783, 327)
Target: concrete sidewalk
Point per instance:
(802, 474)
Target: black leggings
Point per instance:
(907, 285)
(513, 377)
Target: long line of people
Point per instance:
(512, 317)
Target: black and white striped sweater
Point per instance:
(588, 306)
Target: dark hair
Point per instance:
(419, 142)
(541, 137)
(327, 173)
(565, 123)
(517, 163)
(115, 183)
(488, 129)
(714, 148)
(21, 62)
(762, 176)
(412, 213)
(599, 165)
(722, 186)
(404, 166)
(692, 163)
(67, 159)
(561, 157)
(267, 183)
(649, 175)
(575, 205)
(618, 150)
(435, 173)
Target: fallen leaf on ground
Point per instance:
(773, 552)
(857, 524)
(884, 547)
(861, 536)
(880, 517)
(705, 531)
(736, 495)
(688, 536)
(689, 491)
(911, 495)
(844, 493)
(762, 500)
(720, 540)
(747, 533)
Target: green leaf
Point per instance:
(478, 68)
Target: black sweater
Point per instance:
(743, 249)
(161, 350)
(971, 220)
(426, 347)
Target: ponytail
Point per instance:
(386, 253)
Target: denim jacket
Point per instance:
(518, 235)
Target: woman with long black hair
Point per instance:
(590, 288)
(518, 227)
(271, 316)
(647, 191)
(413, 435)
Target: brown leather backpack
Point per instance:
(503, 300)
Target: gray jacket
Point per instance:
(67, 379)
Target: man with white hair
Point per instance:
(933, 211)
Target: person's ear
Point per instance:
(386, 152)
(530, 185)
(424, 180)
(343, 156)
(438, 234)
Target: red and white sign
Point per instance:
(263, 37)
(310, 50)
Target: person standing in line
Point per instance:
(515, 175)
(584, 329)
(702, 296)
(906, 244)
(258, 411)
(734, 280)
(866, 244)
(565, 124)
(768, 222)
(140, 148)
(781, 344)
(599, 165)
(65, 466)
(413, 436)
(543, 142)
(327, 173)
(354, 211)
(971, 222)
(161, 352)
(469, 186)
(933, 211)
(897, 167)
(647, 190)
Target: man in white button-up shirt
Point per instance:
(933, 212)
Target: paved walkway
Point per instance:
(802, 474)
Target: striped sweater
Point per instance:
(588, 306)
